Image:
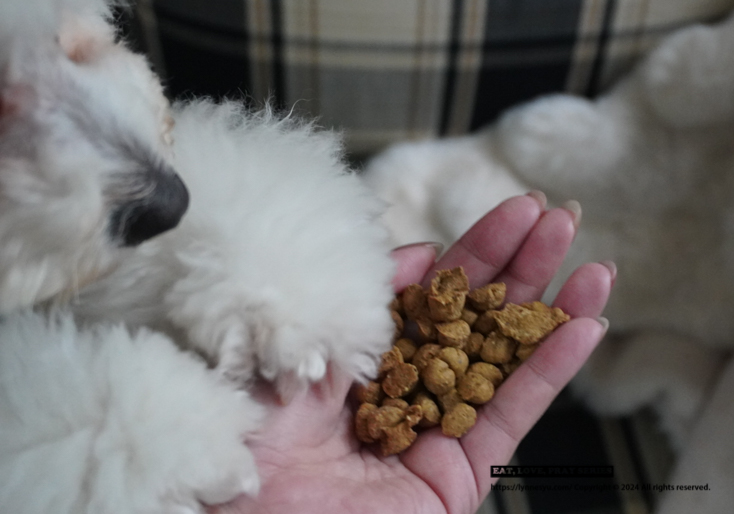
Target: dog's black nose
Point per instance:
(153, 214)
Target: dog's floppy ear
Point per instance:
(83, 39)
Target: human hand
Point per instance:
(308, 456)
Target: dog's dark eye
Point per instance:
(159, 211)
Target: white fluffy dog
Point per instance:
(652, 163)
(126, 396)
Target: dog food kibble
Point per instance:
(453, 348)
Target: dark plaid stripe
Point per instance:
(457, 8)
(527, 52)
(279, 98)
(594, 85)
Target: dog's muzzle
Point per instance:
(141, 219)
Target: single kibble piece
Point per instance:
(473, 345)
(361, 419)
(431, 414)
(453, 333)
(485, 323)
(449, 280)
(397, 439)
(424, 354)
(488, 297)
(415, 303)
(498, 348)
(400, 380)
(488, 371)
(458, 420)
(456, 359)
(383, 417)
(474, 388)
(529, 323)
(438, 377)
(407, 348)
(446, 306)
(371, 392)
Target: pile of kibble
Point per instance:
(453, 347)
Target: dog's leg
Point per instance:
(671, 373)
(104, 421)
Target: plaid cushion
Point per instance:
(388, 70)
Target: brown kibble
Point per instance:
(473, 345)
(407, 348)
(438, 377)
(456, 359)
(397, 439)
(458, 420)
(395, 402)
(446, 306)
(525, 350)
(453, 333)
(529, 323)
(400, 380)
(383, 417)
(485, 323)
(488, 371)
(449, 400)
(469, 316)
(361, 418)
(488, 297)
(474, 388)
(449, 280)
(498, 348)
(371, 392)
(415, 303)
(426, 379)
(431, 414)
(399, 324)
(424, 354)
(389, 360)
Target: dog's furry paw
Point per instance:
(104, 421)
(560, 142)
(285, 266)
(688, 77)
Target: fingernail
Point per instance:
(612, 269)
(574, 208)
(604, 322)
(539, 197)
(437, 247)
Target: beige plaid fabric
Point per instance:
(389, 70)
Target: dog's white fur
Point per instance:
(278, 269)
(651, 162)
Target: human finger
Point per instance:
(541, 254)
(489, 245)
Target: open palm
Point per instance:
(309, 459)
